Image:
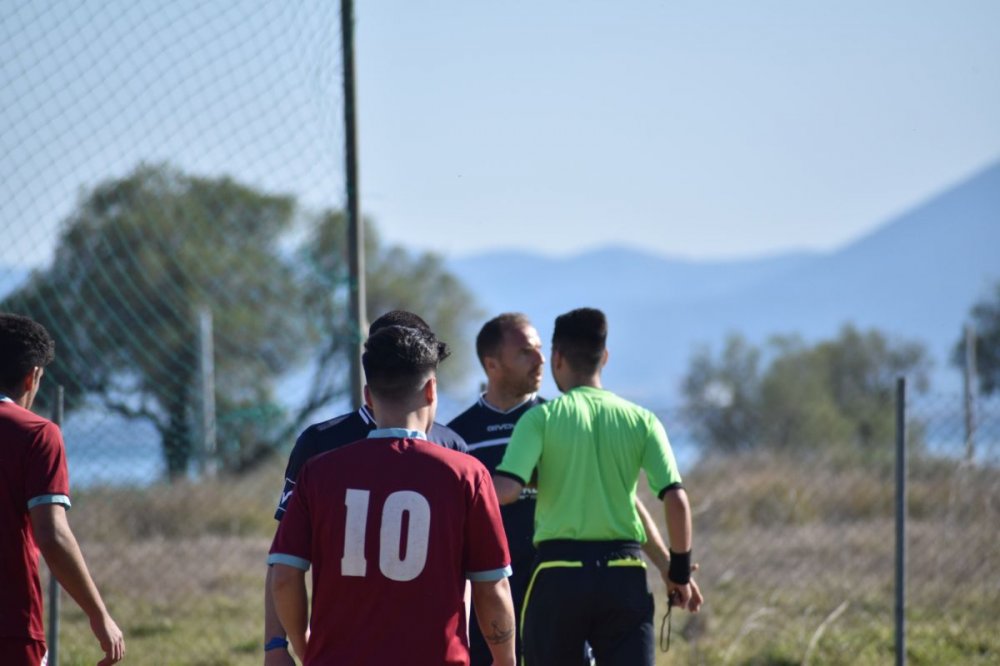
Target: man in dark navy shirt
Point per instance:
(510, 351)
(325, 436)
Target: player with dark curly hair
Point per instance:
(33, 507)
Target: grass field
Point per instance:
(796, 566)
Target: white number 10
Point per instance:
(390, 563)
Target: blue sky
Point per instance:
(703, 130)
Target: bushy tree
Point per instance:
(395, 279)
(134, 262)
(142, 255)
(721, 395)
(836, 393)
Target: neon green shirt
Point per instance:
(588, 447)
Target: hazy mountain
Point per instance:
(915, 278)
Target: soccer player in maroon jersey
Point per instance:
(393, 526)
(322, 437)
(33, 507)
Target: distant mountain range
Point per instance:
(914, 278)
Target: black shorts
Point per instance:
(593, 591)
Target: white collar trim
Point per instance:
(485, 403)
(396, 433)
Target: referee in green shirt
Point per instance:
(588, 446)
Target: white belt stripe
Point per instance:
(489, 442)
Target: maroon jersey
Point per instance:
(32, 472)
(392, 526)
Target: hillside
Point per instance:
(915, 277)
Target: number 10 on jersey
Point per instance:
(391, 562)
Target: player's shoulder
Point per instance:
(457, 461)
(631, 414)
(539, 406)
(339, 430)
(353, 419)
(471, 413)
(25, 420)
(444, 435)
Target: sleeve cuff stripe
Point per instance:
(509, 475)
(673, 486)
(488, 576)
(289, 560)
(49, 499)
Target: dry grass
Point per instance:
(797, 559)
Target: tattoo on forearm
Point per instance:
(499, 634)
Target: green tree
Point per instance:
(836, 393)
(722, 395)
(985, 316)
(133, 264)
(395, 279)
(141, 255)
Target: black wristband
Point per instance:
(680, 568)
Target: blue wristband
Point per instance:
(275, 643)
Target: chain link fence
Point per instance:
(796, 547)
(797, 544)
(164, 163)
(170, 185)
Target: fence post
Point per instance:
(54, 596)
(206, 363)
(969, 390)
(355, 224)
(900, 521)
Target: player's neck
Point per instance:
(22, 399)
(502, 400)
(576, 381)
(419, 419)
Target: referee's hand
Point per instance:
(687, 596)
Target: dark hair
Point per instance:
(580, 336)
(24, 344)
(397, 360)
(490, 337)
(398, 318)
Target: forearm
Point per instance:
(272, 624)
(274, 655)
(288, 590)
(62, 554)
(508, 490)
(678, 514)
(654, 548)
(495, 613)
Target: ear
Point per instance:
(490, 364)
(430, 390)
(25, 390)
(33, 379)
(368, 398)
(604, 358)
